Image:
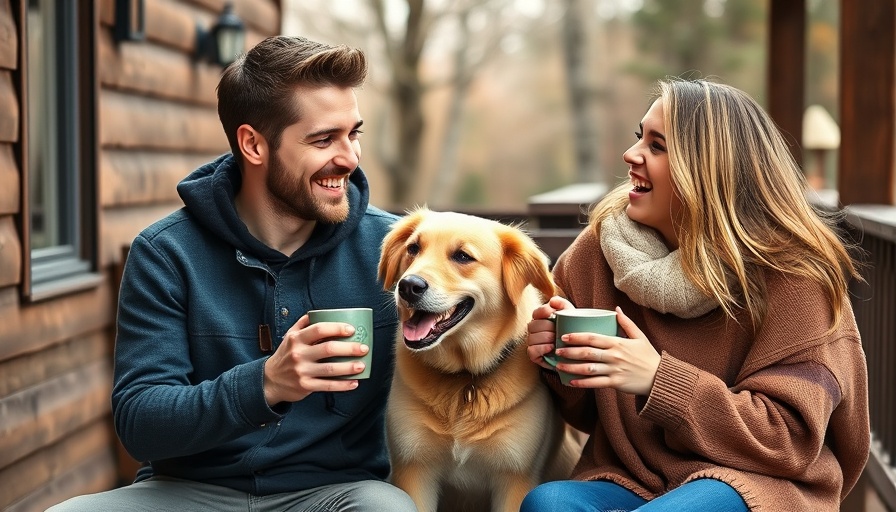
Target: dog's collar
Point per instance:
(470, 391)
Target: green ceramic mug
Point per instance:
(600, 321)
(362, 320)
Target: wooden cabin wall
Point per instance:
(157, 121)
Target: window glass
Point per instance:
(54, 144)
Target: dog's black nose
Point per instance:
(411, 288)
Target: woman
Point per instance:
(738, 381)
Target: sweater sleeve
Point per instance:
(576, 405)
(773, 422)
(158, 412)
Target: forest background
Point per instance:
(483, 103)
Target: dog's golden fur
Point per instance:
(470, 424)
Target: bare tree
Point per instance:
(403, 52)
(473, 48)
(403, 45)
(580, 91)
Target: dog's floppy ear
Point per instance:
(524, 264)
(392, 249)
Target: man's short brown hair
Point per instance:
(258, 89)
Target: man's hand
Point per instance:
(295, 369)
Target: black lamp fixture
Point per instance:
(224, 42)
(130, 20)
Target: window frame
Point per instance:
(68, 267)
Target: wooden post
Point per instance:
(786, 69)
(867, 106)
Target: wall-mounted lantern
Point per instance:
(223, 43)
(130, 20)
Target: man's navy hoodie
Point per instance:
(187, 397)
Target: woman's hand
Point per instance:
(542, 332)
(626, 364)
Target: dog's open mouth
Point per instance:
(424, 328)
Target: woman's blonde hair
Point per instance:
(744, 206)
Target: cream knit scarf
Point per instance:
(647, 272)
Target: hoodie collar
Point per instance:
(209, 192)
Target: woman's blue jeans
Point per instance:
(600, 496)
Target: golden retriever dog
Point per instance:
(470, 425)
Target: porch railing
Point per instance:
(874, 303)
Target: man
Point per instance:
(221, 385)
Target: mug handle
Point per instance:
(551, 357)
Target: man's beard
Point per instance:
(293, 196)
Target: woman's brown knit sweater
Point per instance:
(780, 414)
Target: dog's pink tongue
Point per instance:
(418, 326)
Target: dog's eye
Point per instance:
(413, 249)
(462, 257)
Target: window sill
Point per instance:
(58, 287)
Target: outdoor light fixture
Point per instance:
(130, 20)
(224, 42)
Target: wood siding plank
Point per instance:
(10, 192)
(135, 122)
(95, 474)
(30, 475)
(9, 109)
(10, 252)
(156, 71)
(263, 15)
(9, 39)
(34, 327)
(121, 225)
(42, 415)
(174, 24)
(168, 22)
(31, 369)
(129, 178)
